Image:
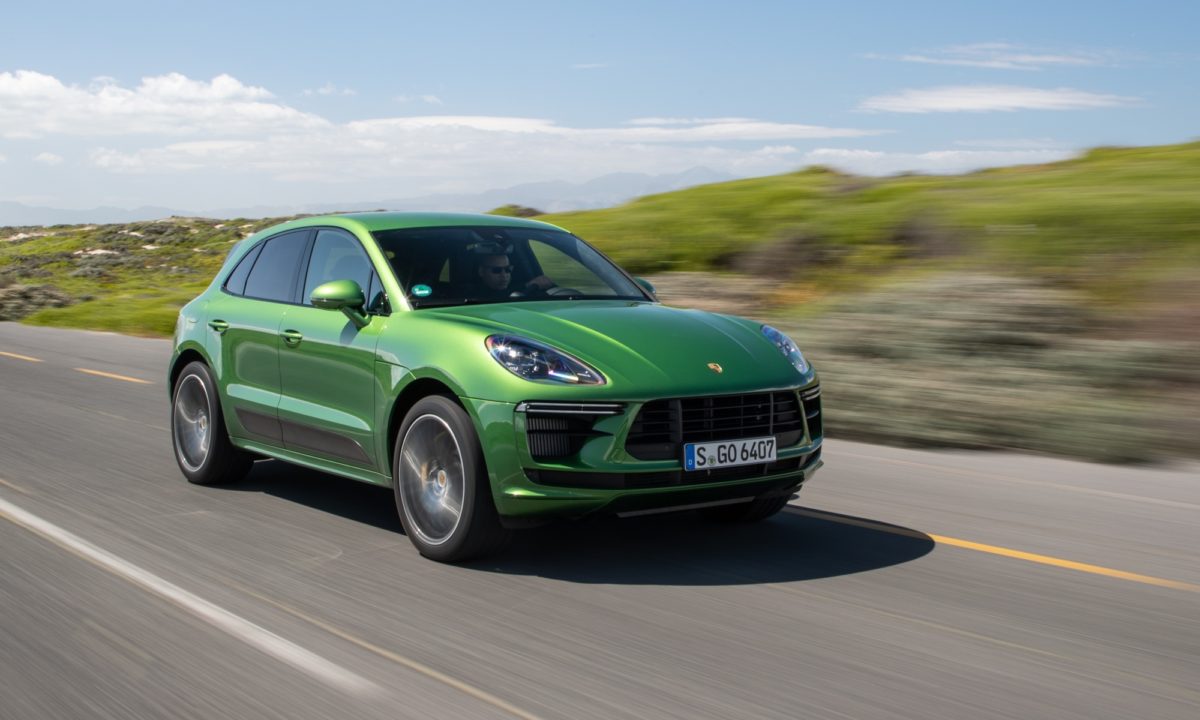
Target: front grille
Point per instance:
(662, 427)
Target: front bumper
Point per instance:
(603, 478)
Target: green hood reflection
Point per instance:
(639, 345)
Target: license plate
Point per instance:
(730, 453)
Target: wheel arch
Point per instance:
(188, 353)
(413, 392)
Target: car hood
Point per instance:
(643, 347)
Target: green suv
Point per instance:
(495, 372)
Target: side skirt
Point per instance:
(308, 461)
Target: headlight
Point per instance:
(534, 361)
(787, 347)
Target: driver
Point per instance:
(495, 275)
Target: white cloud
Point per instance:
(475, 160)
(427, 99)
(491, 151)
(174, 86)
(48, 158)
(874, 162)
(699, 131)
(1000, 56)
(329, 89)
(986, 98)
(685, 121)
(218, 135)
(487, 123)
(1012, 143)
(34, 105)
(480, 149)
(726, 129)
(177, 156)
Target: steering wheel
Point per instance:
(559, 290)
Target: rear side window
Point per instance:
(274, 274)
(236, 283)
(337, 256)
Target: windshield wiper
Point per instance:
(582, 296)
(451, 302)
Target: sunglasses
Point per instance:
(497, 269)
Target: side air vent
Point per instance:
(811, 398)
(559, 430)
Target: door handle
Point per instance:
(292, 338)
(219, 325)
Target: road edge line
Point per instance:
(240, 628)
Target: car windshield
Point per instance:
(444, 266)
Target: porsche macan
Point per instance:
(495, 372)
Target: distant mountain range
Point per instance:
(551, 196)
(18, 214)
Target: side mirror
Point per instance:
(646, 285)
(344, 295)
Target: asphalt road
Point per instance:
(900, 584)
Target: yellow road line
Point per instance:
(1002, 551)
(1069, 564)
(409, 663)
(114, 376)
(20, 357)
(122, 417)
(18, 488)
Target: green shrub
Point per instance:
(983, 361)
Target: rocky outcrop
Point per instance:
(17, 301)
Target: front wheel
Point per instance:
(441, 485)
(202, 447)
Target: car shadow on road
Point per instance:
(360, 502)
(676, 549)
(686, 549)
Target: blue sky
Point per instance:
(199, 105)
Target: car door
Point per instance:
(243, 337)
(327, 363)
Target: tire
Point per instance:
(747, 512)
(440, 481)
(198, 434)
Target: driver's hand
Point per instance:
(541, 282)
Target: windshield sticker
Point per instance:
(422, 290)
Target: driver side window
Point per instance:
(337, 255)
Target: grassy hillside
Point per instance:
(1049, 308)
(1113, 223)
(129, 278)
(1108, 221)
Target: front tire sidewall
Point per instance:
(458, 544)
(221, 463)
